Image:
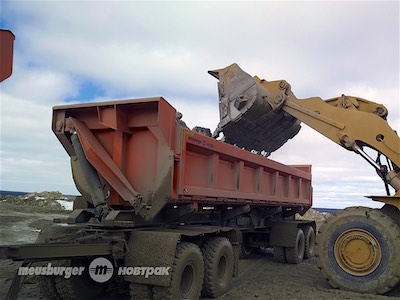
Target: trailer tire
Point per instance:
(295, 255)
(47, 287)
(139, 291)
(47, 284)
(309, 242)
(186, 275)
(279, 254)
(80, 287)
(357, 250)
(245, 252)
(218, 266)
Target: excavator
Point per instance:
(357, 248)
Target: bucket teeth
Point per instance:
(247, 119)
(267, 133)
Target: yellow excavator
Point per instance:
(357, 248)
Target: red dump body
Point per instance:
(137, 146)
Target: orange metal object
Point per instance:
(6, 53)
(139, 149)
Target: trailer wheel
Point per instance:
(245, 252)
(309, 242)
(218, 266)
(80, 287)
(187, 274)
(358, 250)
(47, 287)
(47, 284)
(141, 291)
(279, 254)
(295, 255)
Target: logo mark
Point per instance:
(101, 269)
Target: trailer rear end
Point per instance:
(159, 196)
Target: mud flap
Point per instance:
(151, 249)
(283, 234)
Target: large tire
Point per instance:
(80, 287)
(141, 291)
(245, 252)
(47, 287)
(218, 266)
(47, 284)
(279, 254)
(295, 255)
(186, 275)
(309, 242)
(358, 250)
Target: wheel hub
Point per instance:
(357, 252)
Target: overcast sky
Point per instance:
(90, 51)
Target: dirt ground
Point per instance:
(259, 277)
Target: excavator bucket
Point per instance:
(250, 115)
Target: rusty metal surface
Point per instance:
(214, 172)
(6, 53)
(104, 164)
(138, 148)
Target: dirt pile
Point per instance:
(48, 200)
(314, 215)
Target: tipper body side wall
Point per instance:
(165, 162)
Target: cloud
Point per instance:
(31, 157)
(86, 51)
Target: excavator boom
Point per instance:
(262, 115)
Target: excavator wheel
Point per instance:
(186, 275)
(392, 212)
(218, 266)
(358, 250)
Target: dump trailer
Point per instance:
(357, 248)
(163, 208)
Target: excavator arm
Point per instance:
(357, 248)
(262, 115)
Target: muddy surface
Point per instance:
(259, 276)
